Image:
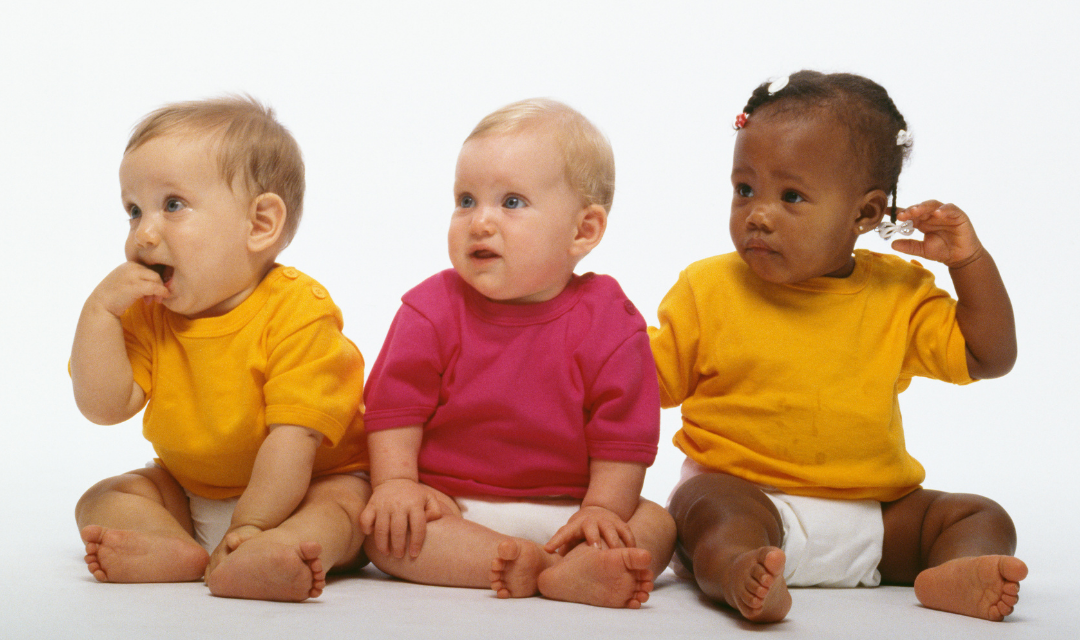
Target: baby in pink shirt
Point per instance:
(514, 408)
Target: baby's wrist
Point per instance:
(375, 484)
(960, 264)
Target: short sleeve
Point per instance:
(675, 343)
(623, 415)
(138, 338)
(314, 378)
(403, 388)
(936, 346)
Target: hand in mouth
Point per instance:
(164, 272)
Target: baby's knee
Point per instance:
(956, 507)
(130, 483)
(348, 492)
(713, 497)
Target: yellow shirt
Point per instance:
(214, 384)
(796, 386)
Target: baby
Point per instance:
(513, 410)
(788, 356)
(251, 390)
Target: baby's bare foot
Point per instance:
(755, 585)
(263, 568)
(117, 555)
(618, 578)
(516, 566)
(982, 587)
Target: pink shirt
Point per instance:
(516, 399)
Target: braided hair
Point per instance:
(858, 103)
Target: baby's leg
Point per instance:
(137, 528)
(615, 577)
(458, 553)
(729, 537)
(957, 551)
(289, 563)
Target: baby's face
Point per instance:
(188, 225)
(515, 218)
(797, 198)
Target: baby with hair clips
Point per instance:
(513, 410)
(788, 356)
(252, 393)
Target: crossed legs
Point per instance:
(137, 528)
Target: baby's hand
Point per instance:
(126, 284)
(232, 540)
(594, 525)
(398, 513)
(948, 235)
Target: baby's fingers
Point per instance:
(380, 531)
(432, 509)
(617, 534)
(399, 531)
(592, 532)
(909, 246)
(417, 531)
(562, 538)
(918, 211)
(367, 520)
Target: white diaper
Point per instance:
(828, 543)
(535, 520)
(211, 519)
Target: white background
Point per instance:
(380, 97)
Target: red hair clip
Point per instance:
(740, 121)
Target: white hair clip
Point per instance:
(903, 138)
(887, 229)
(778, 84)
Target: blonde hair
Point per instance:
(587, 155)
(251, 143)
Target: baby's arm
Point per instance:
(983, 309)
(400, 506)
(101, 375)
(612, 498)
(280, 477)
(279, 481)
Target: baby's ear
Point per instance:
(590, 229)
(872, 208)
(267, 217)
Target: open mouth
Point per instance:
(484, 254)
(164, 271)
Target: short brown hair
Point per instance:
(587, 154)
(252, 144)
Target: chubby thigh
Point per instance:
(827, 542)
(536, 520)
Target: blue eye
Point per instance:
(513, 202)
(791, 197)
(743, 190)
(466, 202)
(173, 205)
(134, 212)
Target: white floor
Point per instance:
(49, 594)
